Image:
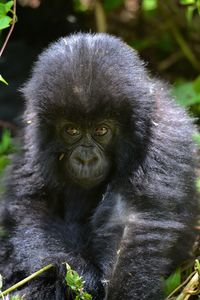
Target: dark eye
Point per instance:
(100, 131)
(71, 130)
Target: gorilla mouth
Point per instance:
(85, 176)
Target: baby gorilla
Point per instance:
(104, 179)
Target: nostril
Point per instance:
(79, 160)
(86, 161)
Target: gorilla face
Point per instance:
(87, 162)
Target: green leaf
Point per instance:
(196, 85)
(189, 13)
(86, 296)
(5, 143)
(73, 279)
(112, 4)
(79, 6)
(172, 282)
(198, 6)
(2, 10)
(197, 265)
(148, 5)
(76, 283)
(16, 297)
(5, 8)
(196, 137)
(141, 44)
(187, 2)
(3, 80)
(4, 22)
(4, 161)
(8, 6)
(185, 93)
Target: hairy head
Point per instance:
(89, 110)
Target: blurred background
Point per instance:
(166, 33)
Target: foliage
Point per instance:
(5, 9)
(7, 19)
(192, 6)
(183, 283)
(73, 280)
(112, 4)
(6, 148)
(172, 282)
(79, 6)
(16, 297)
(148, 5)
(187, 93)
(3, 80)
(76, 283)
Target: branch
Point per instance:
(100, 17)
(11, 29)
(27, 279)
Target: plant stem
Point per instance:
(25, 280)
(11, 29)
(189, 290)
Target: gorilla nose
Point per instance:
(85, 158)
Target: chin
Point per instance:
(89, 182)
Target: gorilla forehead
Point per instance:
(85, 73)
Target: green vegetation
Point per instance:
(73, 281)
(76, 284)
(6, 148)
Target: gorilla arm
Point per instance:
(134, 248)
(40, 239)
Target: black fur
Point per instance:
(124, 235)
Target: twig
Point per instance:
(100, 17)
(25, 280)
(11, 29)
(169, 61)
(184, 47)
(180, 286)
(189, 290)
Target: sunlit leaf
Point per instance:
(196, 137)
(5, 143)
(5, 8)
(3, 80)
(4, 161)
(187, 2)
(76, 283)
(79, 6)
(5, 22)
(196, 85)
(185, 93)
(8, 6)
(149, 4)
(172, 282)
(189, 13)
